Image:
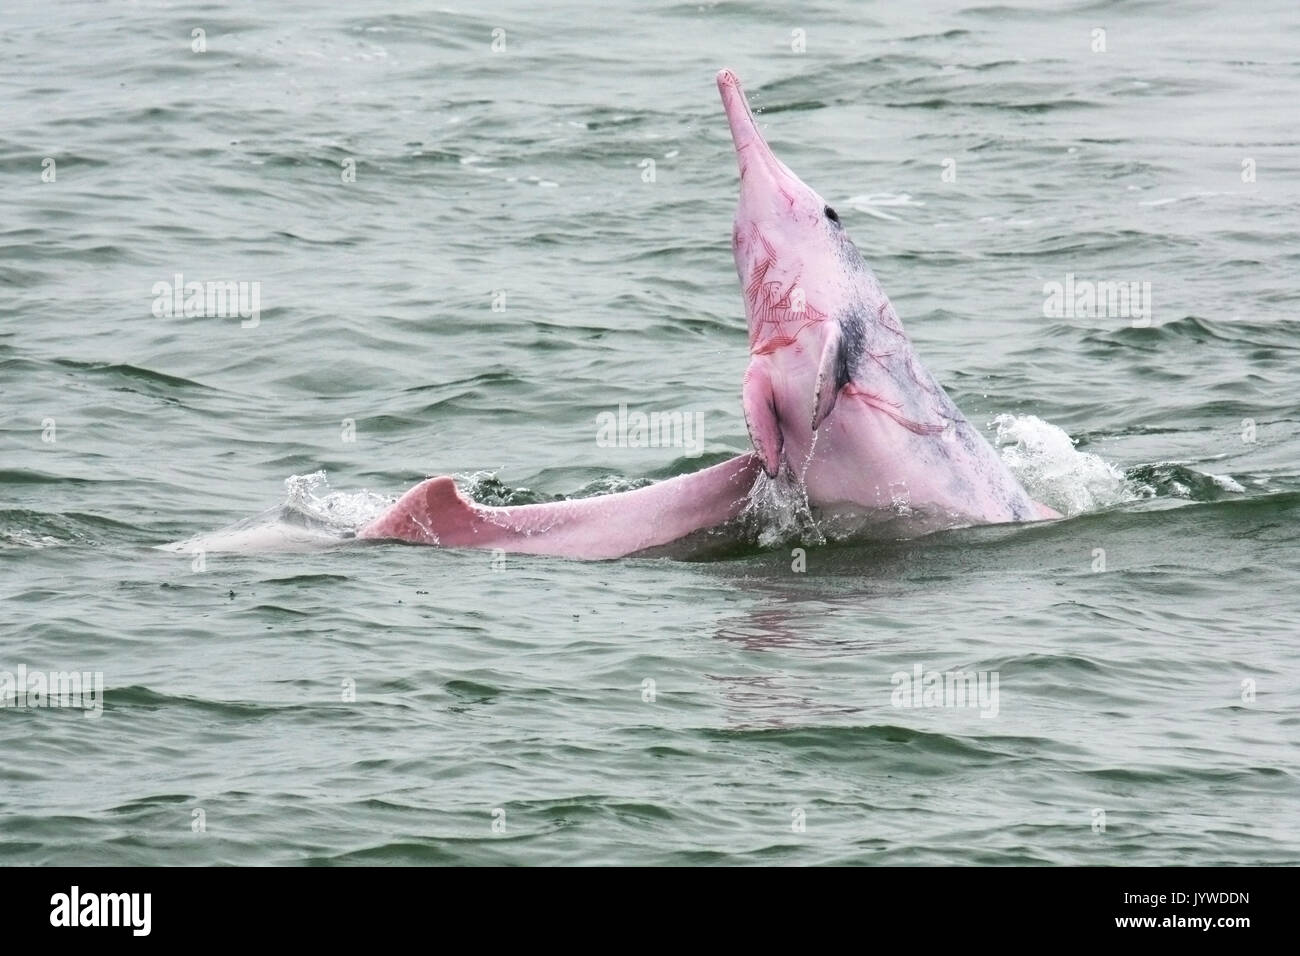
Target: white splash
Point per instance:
(1044, 459)
(778, 512)
(312, 517)
(1228, 483)
(24, 538)
(338, 510)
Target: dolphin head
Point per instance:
(795, 261)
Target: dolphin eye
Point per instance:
(832, 215)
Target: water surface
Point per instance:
(730, 710)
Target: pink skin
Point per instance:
(608, 526)
(833, 388)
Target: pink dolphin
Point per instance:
(834, 398)
(834, 388)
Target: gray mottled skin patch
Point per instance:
(876, 356)
(853, 338)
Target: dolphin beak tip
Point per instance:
(735, 105)
(729, 86)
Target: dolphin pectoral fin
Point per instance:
(760, 416)
(831, 377)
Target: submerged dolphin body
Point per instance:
(834, 398)
(834, 388)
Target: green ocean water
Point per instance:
(539, 232)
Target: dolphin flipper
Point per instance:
(760, 416)
(832, 375)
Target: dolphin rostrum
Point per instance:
(834, 397)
